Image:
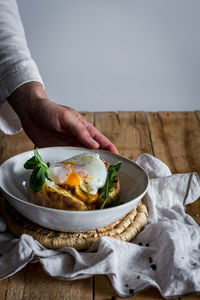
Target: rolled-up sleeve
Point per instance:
(16, 65)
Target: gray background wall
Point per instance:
(99, 55)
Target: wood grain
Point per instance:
(197, 113)
(89, 116)
(108, 124)
(192, 297)
(3, 288)
(134, 134)
(127, 130)
(13, 144)
(104, 291)
(33, 283)
(176, 140)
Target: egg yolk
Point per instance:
(86, 197)
(76, 180)
(73, 180)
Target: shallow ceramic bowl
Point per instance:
(14, 184)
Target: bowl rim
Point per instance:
(85, 212)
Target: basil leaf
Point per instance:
(40, 171)
(37, 178)
(39, 158)
(37, 155)
(110, 182)
(30, 164)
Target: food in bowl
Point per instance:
(82, 182)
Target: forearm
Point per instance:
(16, 65)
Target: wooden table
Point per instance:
(173, 137)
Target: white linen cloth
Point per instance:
(9, 121)
(165, 254)
(16, 64)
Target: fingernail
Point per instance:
(92, 141)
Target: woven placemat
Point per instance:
(124, 229)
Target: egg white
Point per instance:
(89, 169)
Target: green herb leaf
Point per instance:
(30, 164)
(37, 178)
(37, 155)
(110, 182)
(116, 203)
(40, 171)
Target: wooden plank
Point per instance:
(158, 139)
(3, 288)
(150, 294)
(176, 141)
(198, 115)
(134, 134)
(34, 283)
(89, 116)
(104, 291)
(192, 297)
(107, 123)
(13, 144)
(129, 132)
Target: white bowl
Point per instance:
(14, 184)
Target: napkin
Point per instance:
(9, 121)
(164, 255)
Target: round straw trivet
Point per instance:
(124, 229)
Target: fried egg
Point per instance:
(86, 171)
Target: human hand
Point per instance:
(50, 124)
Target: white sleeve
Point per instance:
(16, 65)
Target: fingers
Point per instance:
(78, 130)
(86, 133)
(84, 137)
(105, 143)
(102, 140)
(112, 148)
